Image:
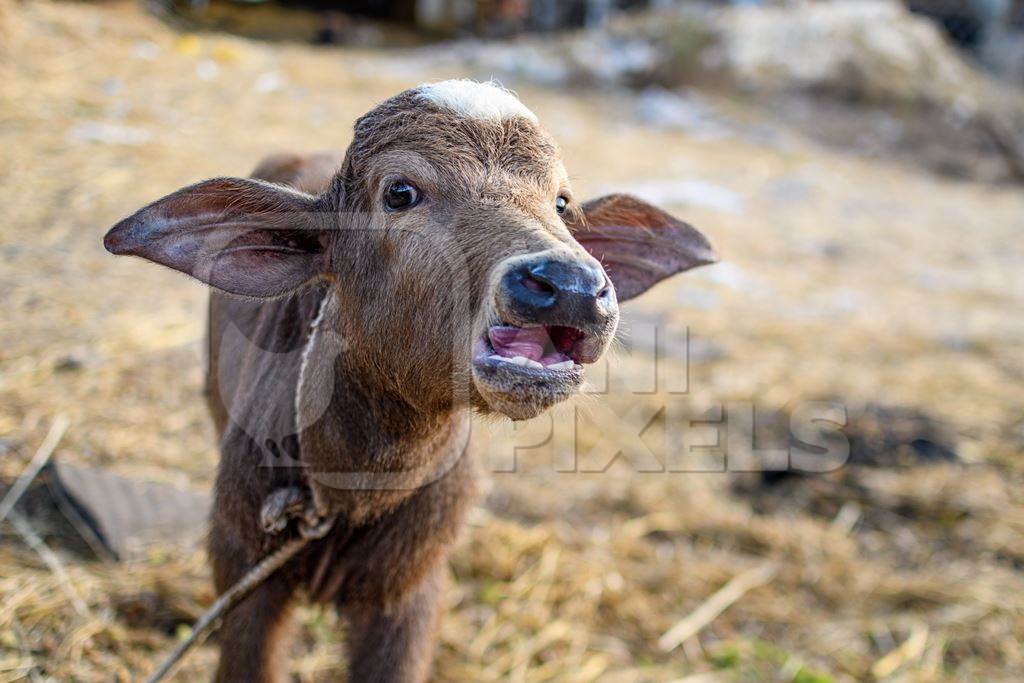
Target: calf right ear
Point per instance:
(245, 237)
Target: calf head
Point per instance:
(462, 267)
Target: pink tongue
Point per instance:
(517, 341)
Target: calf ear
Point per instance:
(638, 244)
(245, 237)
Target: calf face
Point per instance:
(465, 270)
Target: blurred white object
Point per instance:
(272, 81)
(108, 133)
(690, 114)
(871, 49)
(689, 192)
(207, 70)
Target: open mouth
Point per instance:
(521, 371)
(542, 349)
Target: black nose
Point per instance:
(553, 292)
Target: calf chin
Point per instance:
(522, 395)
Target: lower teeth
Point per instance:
(530, 363)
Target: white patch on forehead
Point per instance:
(488, 101)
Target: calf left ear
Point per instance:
(638, 244)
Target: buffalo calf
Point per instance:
(363, 306)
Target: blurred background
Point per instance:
(859, 165)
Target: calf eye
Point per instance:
(561, 203)
(401, 195)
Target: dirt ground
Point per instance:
(843, 278)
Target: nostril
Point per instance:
(605, 292)
(536, 284)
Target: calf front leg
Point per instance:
(396, 644)
(391, 581)
(255, 636)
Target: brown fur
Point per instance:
(352, 370)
